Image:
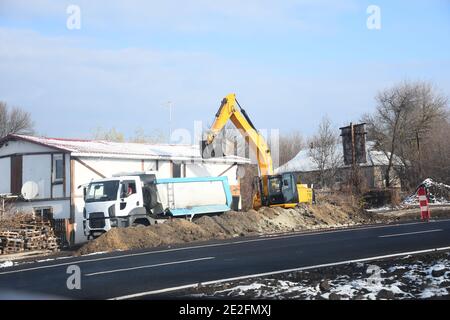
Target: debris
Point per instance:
(334, 296)
(324, 285)
(438, 193)
(385, 294)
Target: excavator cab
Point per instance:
(281, 190)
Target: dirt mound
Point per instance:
(229, 225)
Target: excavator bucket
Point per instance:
(217, 149)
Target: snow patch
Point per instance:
(6, 264)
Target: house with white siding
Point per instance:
(58, 167)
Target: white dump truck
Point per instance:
(142, 199)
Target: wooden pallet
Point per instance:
(9, 234)
(9, 250)
(31, 235)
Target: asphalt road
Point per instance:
(154, 273)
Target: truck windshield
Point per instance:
(102, 191)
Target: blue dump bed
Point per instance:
(193, 196)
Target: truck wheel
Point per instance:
(140, 223)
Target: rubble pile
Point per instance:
(438, 193)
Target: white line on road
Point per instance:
(148, 266)
(409, 233)
(193, 285)
(266, 238)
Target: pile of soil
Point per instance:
(231, 224)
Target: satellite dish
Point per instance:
(30, 190)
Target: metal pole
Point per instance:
(353, 155)
(169, 105)
(170, 120)
(353, 144)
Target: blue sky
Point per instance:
(289, 62)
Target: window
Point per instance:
(58, 168)
(46, 213)
(176, 170)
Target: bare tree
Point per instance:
(435, 152)
(289, 146)
(404, 114)
(141, 137)
(324, 152)
(14, 121)
(108, 135)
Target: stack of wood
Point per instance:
(34, 234)
(11, 242)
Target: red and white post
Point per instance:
(423, 202)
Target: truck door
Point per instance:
(130, 197)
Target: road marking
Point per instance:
(193, 285)
(148, 266)
(266, 238)
(409, 233)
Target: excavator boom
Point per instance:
(230, 110)
(271, 190)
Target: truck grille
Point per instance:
(97, 220)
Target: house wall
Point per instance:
(60, 208)
(20, 147)
(36, 167)
(5, 176)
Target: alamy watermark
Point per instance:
(73, 282)
(374, 19)
(238, 142)
(73, 21)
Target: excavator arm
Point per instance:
(283, 190)
(230, 110)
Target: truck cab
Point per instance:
(114, 202)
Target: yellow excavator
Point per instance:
(270, 190)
